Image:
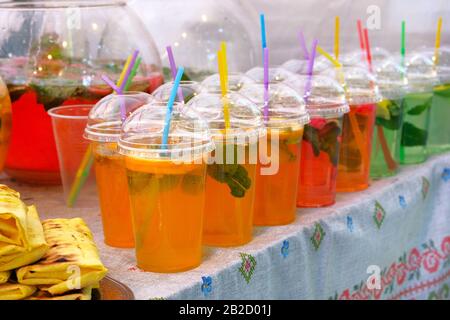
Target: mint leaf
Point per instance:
(413, 136)
(234, 175)
(418, 109)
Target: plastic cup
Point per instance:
(68, 126)
(279, 156)
(103, 130)
(276, 75)
(439, 130)
(417, 103)
(166, 184)
(326, 105)
(186, 91)
(389, 119)
(236, 81)
(358, 127)
(231, 173)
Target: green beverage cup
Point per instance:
(389, 119)
(421, 76)
(439, 137)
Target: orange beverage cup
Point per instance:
(279, 153)
(166, 186)
(358, 126)
(5, 123)
(103, 130)
(326, 104)
(231, 172)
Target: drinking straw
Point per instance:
(123, 82)
(335, 62)
(223, 48)
(360, 35)
(310, 70)
(301, 37)
(173, 70)
(124, 70)
(438, 42)
(173, 95)
(133, 73)
(367, 45)
(266, 84)
(262, 21)
(403, 44)
(336, 37)
(222, 64)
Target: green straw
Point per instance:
(403, 45)
(133, 73)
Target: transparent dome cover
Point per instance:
(105, 117)
(321, 63)
(275, 74)
(296, 66)
(286, 106)
(421, 72)
(391, 77)
(359, 57)
(325, 97)
(359, 84)
(188, 89)
(142, 134)
(245, 119)
(443, 62)
(235, 82)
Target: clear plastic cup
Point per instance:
(387, 137)
(276, 75)
(166, 185)
(186, 91)
(68, 124)
(235, 82)
(279, 158)
(422, 78)
(103, 130)
(356, 146)
(439, 130)
(326, 104)
(231, 173)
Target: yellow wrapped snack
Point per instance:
(21, 235)
(72, 262)
(82, 294)
(14, 291)
(4, 276)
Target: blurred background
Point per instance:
(170, 22)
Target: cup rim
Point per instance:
(52, 112)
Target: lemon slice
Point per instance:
(383, 110)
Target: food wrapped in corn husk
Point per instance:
(82, 294)
(15, 291)
(4, 276)
(72, 262)
(21, 235)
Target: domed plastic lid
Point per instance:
(142, 134)
(235, 82)
(286, 107)
(391, 77)
(275, 74)
(359, 84)
(421, 72)
(296, 66)
(188, 89)
(322, 63)
(245, 118)
(359, 57)
(105, 118)
(325, 97)
(443, 62)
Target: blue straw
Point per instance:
(263, 32)
(173, 95)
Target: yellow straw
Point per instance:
(438, 41)
(336, 37)
(221, 54)
(81, 176)
(124, 71)
(328, 56)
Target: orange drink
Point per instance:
(230, 181)
(5, 123)
(103, 129)
(166, 185)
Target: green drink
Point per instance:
(439, 140)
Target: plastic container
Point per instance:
(53, 53)
(231, 173)
(326, 105)
(279, 157)
(276, 75)
(393, 87)
(356, 146)
(103, 130)
(235, 82)
(5, 123)
(422, 78)
(166, 184)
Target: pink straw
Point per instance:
(301, 37)
(266, 83)
(130, 68)
(310, 69)
(173, 70)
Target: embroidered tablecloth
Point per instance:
(391, 241)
